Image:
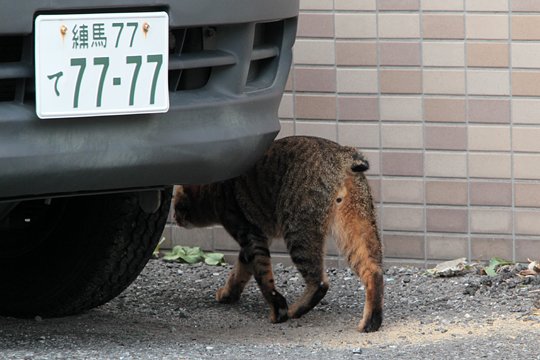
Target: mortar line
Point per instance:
(467, 124)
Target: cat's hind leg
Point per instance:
(236, 282)
(307, 253)
(355, 230)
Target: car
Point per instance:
(103, 107)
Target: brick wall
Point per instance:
(443, 96)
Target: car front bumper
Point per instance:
(222, 116)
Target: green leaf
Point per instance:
(494, 263)
(490, 271)
(178, 250)
(171, 257)
(192, 255)
(214, 259)
(176, 253)
(191, 259)
(194, 251)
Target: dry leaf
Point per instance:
(450, 268)
(533, 269)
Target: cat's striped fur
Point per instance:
(301, 190)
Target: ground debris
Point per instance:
(533, 269)
(451, 268)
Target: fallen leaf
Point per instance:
(494, 264)
(533, 269)
(450, 268)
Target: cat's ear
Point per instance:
(360, 163)
(182, 205)
(178, 191)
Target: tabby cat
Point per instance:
(301, 190)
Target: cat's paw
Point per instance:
(278, 308)
(279, 316)
(371, 322)
(224, 296)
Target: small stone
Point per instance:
(38, 318)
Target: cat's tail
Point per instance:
(360, 163)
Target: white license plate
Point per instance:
(101, 64)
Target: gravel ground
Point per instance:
(170, 313)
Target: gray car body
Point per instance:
(210, 133)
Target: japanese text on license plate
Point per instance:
(102, 64)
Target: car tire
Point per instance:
(67, 255)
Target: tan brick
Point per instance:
(355, 25)
(493, 138)
(450, 82)
(394, 5)
(401, 108)
(399, 25)
(363, 81)
(403, 191)
(403, 218)
(489, 27)
(525, 27)
(446, 247)
(444, 109)
(446, 164)
(402, 136)
(483, 54)
(400, 245)
(446, 192)
(443, 26)
(484, 248)
(486, 165)
(318, 129)
(401, 81)
(491, 221)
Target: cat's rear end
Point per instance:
(325, 191)
(355, 230)
(302, 190)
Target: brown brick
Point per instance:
(446, 26)
(489, 111)
(315, 25)
(491, 193)
(404, 164)
(446, 137)
(401, 81)
(447, 220)
(484, 248)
